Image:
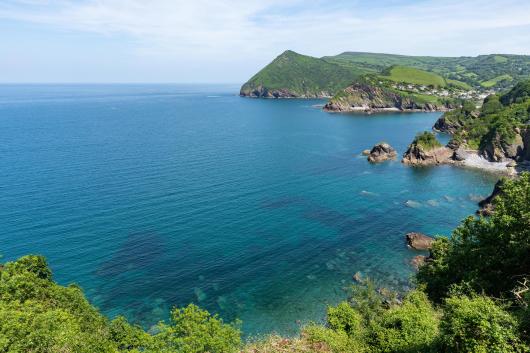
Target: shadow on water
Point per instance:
(138, 251)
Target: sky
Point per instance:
(227, 41)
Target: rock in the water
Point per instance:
(382, 152)
(416, 156)
(418, 261)
(419, 241)
(366, 152)
(357, 277)
(487, 206)
(460, 154)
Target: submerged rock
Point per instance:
(381, 152)
(419, 241)
(357, 277)
(418, 261)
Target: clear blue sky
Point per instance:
(229, 40)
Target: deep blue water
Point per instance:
(150, 196)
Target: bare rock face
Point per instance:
(487, 206)
(497, 150)
(381, 152)
(416, 156)
(419, 241)
(525, 153)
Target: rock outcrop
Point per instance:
(418, 156)
(364, 97)
(419, 241)
(381, 152)
(487, 206)
(264, 92)
(525, 153)
(443, 124)
(497, 150)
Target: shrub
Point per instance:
(193, 330)
(477, 325)
(410, 327)
(427, 141)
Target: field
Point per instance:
(414, 76)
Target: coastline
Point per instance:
(369, 110)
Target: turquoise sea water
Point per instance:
(150, 196)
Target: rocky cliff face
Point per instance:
(365, 97)
(498, 150)
(264, 92)
(525, 153)
(487, 205)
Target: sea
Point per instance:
(151, 197)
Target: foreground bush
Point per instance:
(37, 315)
(487, 254)
(478, 324)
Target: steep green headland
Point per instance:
(472, 296)
(296, 75)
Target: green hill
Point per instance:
(296, 75)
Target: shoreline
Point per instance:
(369, 110)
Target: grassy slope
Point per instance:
(494, 81)
(414, 76)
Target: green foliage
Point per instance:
(128, 337)
(410, 327)
(337, 340)
(488, 254)
(193, 330)
(345, 318)
(427, 141)
(494, 127)
(478, 325)
(518, 94)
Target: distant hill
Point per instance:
(296, 75)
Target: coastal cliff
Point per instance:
(369, 97)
